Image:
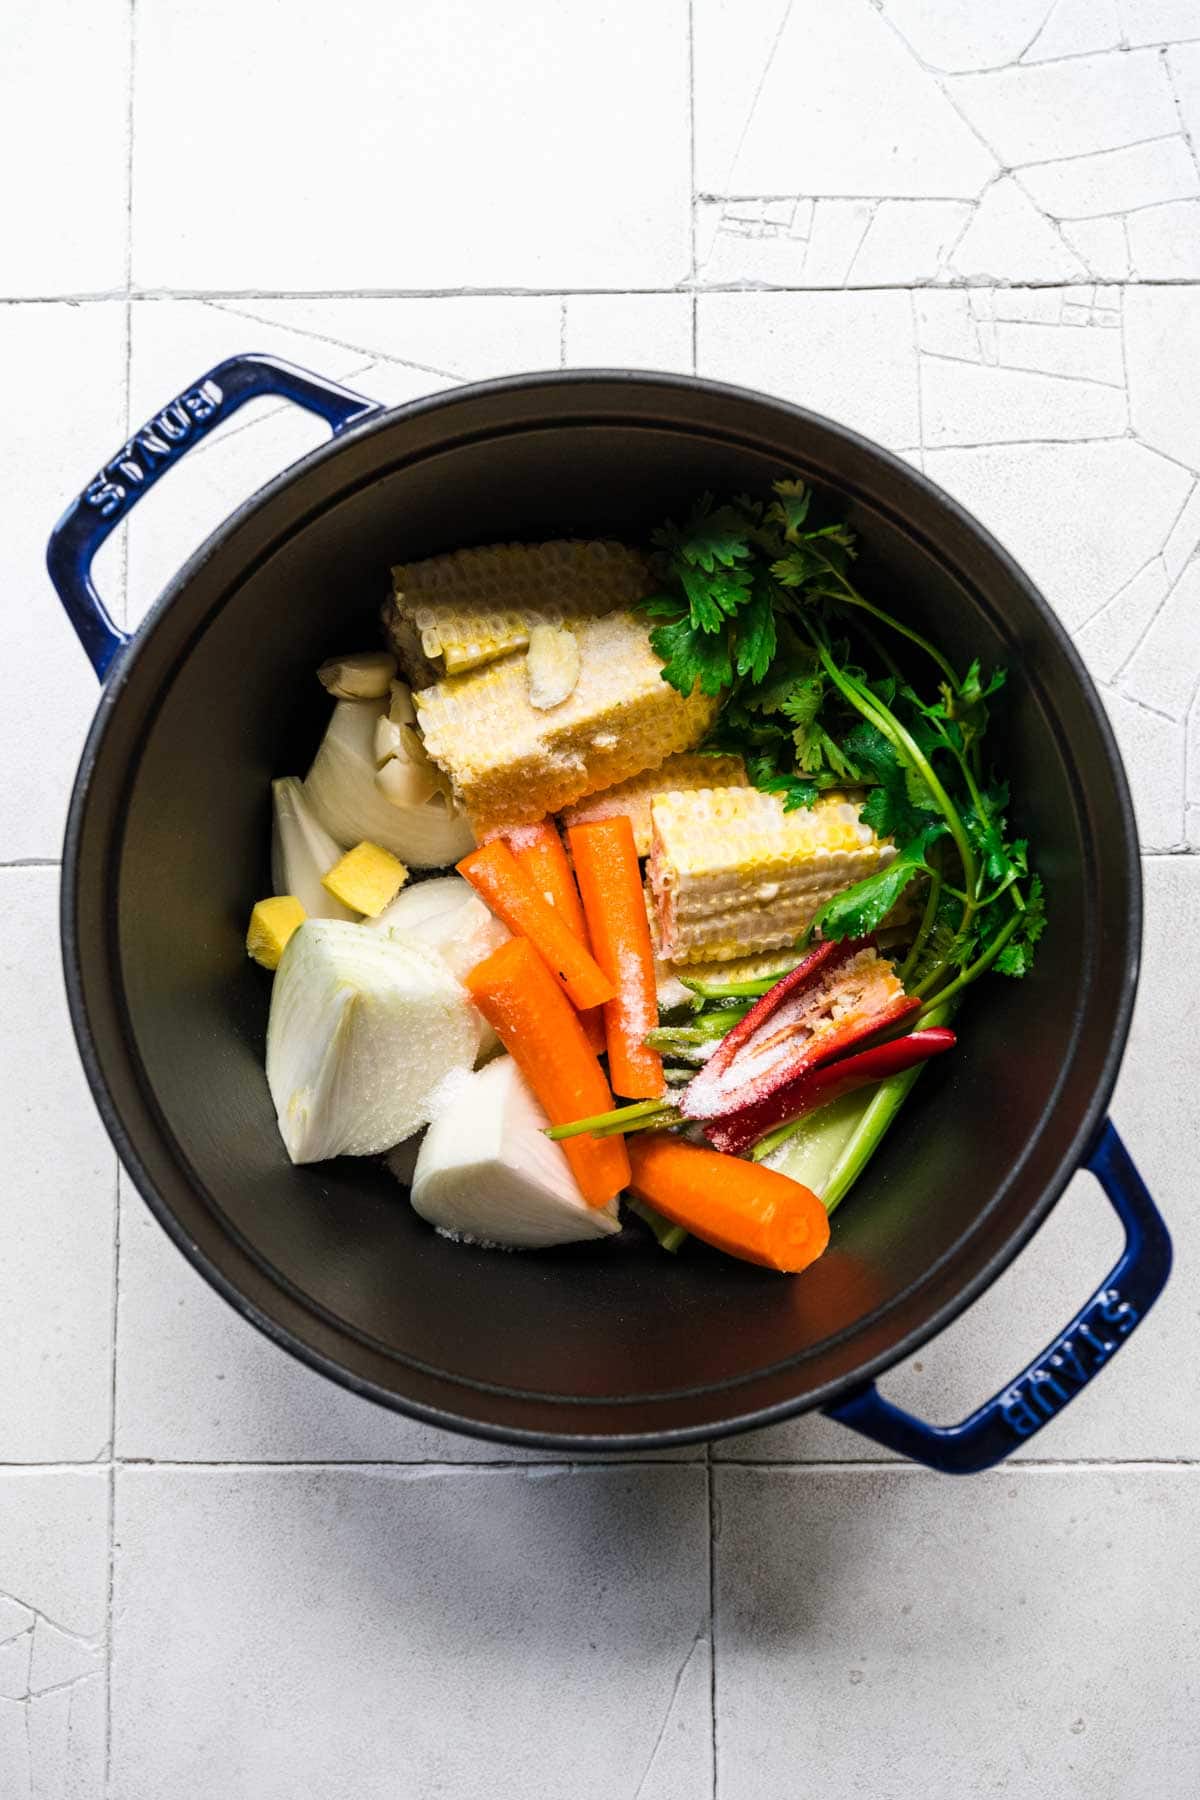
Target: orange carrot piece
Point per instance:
(540, 1029)
(740, 1207)
(495, 873)
(539, 850)
(610, 885)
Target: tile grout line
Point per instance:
(691, 83)
(123, 577)
(1001, 285)
(582, 1466)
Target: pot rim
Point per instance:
(987, 1267)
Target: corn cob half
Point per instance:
(678, 774)
(732, 873)
(512, 764)
(472, 606)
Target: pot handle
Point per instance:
(150, 452)
(1040, 1392)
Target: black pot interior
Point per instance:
(171, 851)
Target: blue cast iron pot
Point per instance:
(606, 1348)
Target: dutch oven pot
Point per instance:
(585, 1349)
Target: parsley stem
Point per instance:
(874, 711)
(968, 975)
(923, 930)
(852, 594)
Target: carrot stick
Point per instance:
(610, 885)
(495, 873)
(539, 850)
(773, 1221)
(539, 1028)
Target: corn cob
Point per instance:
(733, 873)
(678, 774)
(472, 606)
(511, 765)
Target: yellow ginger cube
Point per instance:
(271, 925)
(367, 879)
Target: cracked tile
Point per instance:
(53, 1567)
(849, 355)
(1164, 242)
(1164, 670)
(753, 137)
(956, 1639)
(955, 39)
(1158, 21)
(1110, 636)
(1100, 244)
(1009, 240)
(1162, 348)
(963, 403)
(463, 147)
(907, 241)
(1075, 27)
(56, 1273)
(273, 1629)
(1082, 518)
(1152, 747)
(1112, 181)
(1073, 108)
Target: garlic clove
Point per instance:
(553, 663)
(365, 676)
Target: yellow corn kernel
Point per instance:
(366, 878)
(732, 873)
(511, 764)
(676, 775)
(271, 925)
(454, 613)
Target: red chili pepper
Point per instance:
(775, 1060)
(814, 1087)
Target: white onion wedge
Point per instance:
(340, 787)
(487, 1173)
(363, 1028)
(302, 851)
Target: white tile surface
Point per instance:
(60, 363)
(984, 225)
(53, 1631)
(463, 145)
(890, 1634)
(56, 1273)
(851, 356)
(449, 1631)
(64, 147)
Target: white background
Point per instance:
(971, 229)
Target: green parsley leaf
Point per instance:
(690, 655)
(1016, 958)
(861, 909)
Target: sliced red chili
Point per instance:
(813, 1087)
(754, 1061)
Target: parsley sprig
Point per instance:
(822, 688)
